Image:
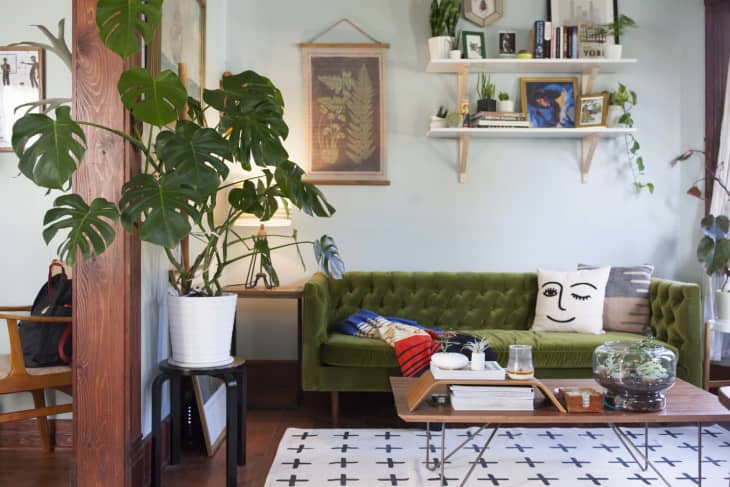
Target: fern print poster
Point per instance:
(345, 133)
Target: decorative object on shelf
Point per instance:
(455, 54)
(281, 218)
(344, 106)
(591, 41)
(464, 111)
(636, 374)
(549, 102)
(485, 94)
(524, 54)
(443, 18)
(576, 12)
(592, 110)
(477, 347)
(519, 365)
(507, 43)
(616, 29)
(483, 12)
(454, 120)
(504, 104)
(625, 99)
(438, 121)
(23, 83)
(473, 45)
(448, 360)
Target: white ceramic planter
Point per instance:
(438, 122)
(722, 305)
(613, 116)
(201, 329)
(505, 105)
(439, 47)
(614, 51)
(454, 54)
(477, 361)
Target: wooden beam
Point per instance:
(106, 403)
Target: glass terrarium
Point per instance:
(636, 374)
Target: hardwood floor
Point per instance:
(31, 468)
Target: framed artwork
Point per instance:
(23, 81)
(483, 12)
(592, 110)
(344, 106)
(180, 40)
(210, 396)
(473, 45)
(576, 12)
(549, 102)
(507, 44)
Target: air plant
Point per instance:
(478, 345)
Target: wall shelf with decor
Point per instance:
(588, 136)
(587, 67)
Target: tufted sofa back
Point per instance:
(463, 301)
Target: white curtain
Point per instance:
(719, 206)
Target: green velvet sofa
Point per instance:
(496, 306)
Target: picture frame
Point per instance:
(483, 12)
(22, 74)
(473, 45)
(345, 138)
(592, 110)
(210, 397)
(550, 101)
(507, 43)
(181, 40)
(577, 12)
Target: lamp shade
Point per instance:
(281, 218)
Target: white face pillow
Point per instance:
(571, 301)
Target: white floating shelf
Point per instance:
(512, 65)
(518, 133)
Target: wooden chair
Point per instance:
(15, 377)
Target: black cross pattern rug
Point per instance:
(563, 457)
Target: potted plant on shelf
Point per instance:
(444, 15)
(477, 347)
(504, 104)
(184, 179)
(485, 94)
(438, 121)
(614, 31)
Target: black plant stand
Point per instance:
(235, 378)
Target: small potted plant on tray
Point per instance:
(477, 347)
(485, 94)
(504, 104)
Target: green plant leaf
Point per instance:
(262, 245)
(122, 22)
(196, 112)
(194, 156)
(89, 229)
(714, 227)
(162, 208)
(635, 147)
(626, 119)
(156, 101)
(307, 197)
(48, 150)
(650, 187)
(714, 255)
(640, 165)
(328, 257)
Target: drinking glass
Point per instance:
(520, 366)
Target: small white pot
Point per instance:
(722, 305)
(454, 54)
(201, 329)
(439, 47)
(505, 106)
(614, 114)
(438, 122)
(614, 51)
(477, 361)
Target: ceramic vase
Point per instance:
(477, 361)
(439, 47)
(614, 51)
(614, 114)
(506, 106)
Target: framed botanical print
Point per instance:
(473, 45)
(592, 110)
(549, 102)
(483, 12)
(576, 12)
(23, 81)
(344, 105)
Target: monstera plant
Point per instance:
(185, 165)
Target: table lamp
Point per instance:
(281, 218)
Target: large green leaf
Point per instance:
(253, 117)
(713, 251)
(328, 257)
(162, 207)
(256, 199)
(157, 101)
(122, 22)
(194, 156)
(307, 197)
(90, 231)
(49, 150)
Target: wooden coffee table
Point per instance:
(686, 404)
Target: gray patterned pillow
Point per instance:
(627, 306)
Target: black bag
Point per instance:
(49, 344)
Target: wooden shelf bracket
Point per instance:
(463, 156)
(588, 149)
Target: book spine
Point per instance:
(565, 42)
(547, 45)
(554, 44)
(539, 39)
(574, 37)
(558, 43)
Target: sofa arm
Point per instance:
(676, 318)
(317, 305)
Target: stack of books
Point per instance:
(550, 41)
(492, 398)
(500, 120)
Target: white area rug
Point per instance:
(563, 457)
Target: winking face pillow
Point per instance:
(571, 301)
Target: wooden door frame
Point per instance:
(106, 339)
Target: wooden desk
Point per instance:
(282, 292)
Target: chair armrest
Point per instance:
(37, 319)
(676, 318)
(17, 362)
(5, 309)
(314, 326)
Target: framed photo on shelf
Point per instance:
(507, 43)
(549, 102)
(23, 81)
(577, 12)
(483, 12)
(592, 110)
(473, 45)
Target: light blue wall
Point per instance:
(522, 206)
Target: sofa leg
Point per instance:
(335, 404)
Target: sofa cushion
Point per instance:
(350, 351)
